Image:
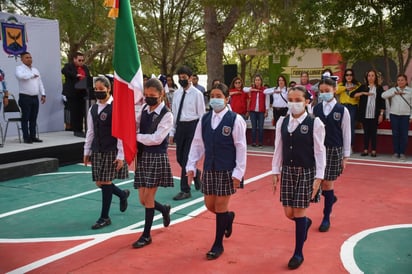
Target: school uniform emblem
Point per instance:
(103, 116)
(336, 116)
(13, 35)
(304, 129)
(226, 130)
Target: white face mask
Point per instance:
(296, 107)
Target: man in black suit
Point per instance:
(75, 88)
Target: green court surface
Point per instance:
(67, 203)
(388, 251)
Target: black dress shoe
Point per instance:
(143, 241)
(27, 141)
(228, 230)
(198, 182)
(182, 196)
(365, 153)
(324, 226)
(123, 202)
(295, 262)
(166, 216)
(36, 140)
(308, 224)
(214, 253)
(102, 223)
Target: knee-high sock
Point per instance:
(148, 222)
(329, 199)
(107, 192)
(118, 192)
(159, 207)
(222, 220)
(300, 232)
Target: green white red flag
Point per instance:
(128, 80)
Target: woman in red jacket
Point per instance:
(257, 109)
(239, 100)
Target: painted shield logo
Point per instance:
(226, 130)
(336, 116)
(304, 129)
(14, 37)
(103, 116)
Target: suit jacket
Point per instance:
(363, 100)
(70, 73)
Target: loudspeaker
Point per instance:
(230, 72)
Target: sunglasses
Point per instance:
(349, 74)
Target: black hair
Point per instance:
(185, 70)
(104, 80)
(24, 53)
(328, 81)
(301, 88)
(354, 81)
(223, 88)
(154, 83)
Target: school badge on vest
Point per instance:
(304, 129)
(336, 116)
(226, 130)
(13, 35)
(103, 116)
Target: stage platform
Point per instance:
(62, 145)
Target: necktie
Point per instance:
(179, 112)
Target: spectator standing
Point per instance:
(75, 88)
(30, 87)
(371, 110)
(239, 100)
(187, 108)
(349, 85)
(257, 109)
(172, 87)
(279, 100)
(400, 98)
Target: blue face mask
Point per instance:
(326, 96)
(217, 104)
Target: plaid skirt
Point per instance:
(334, 159)
(217, 183)
(153, 170)
(104, 170)
(296, 186)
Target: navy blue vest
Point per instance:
(333, 124)
(102, 124)
(298, 145)
(145, 128)
(220, 151)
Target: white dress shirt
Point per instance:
(346, 127)
(90, 132)
(193, 106)
(29, 84)
(197, 149)
(279, 95)
(318, 144)
(163, 129)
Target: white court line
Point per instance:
(126, 230)
(347, 249)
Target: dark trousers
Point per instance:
(277, 112)
(257, 120)
(29, 110)
(370, 132)
(77, 107)
(183, 139)
(400, 127)
(352, 113)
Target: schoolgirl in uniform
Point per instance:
(153, 167)
(221, 138)
(337, 122)
(298, 164)
(105, 152)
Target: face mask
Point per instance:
(184, 83)
(151, 101)
(326, 96)
(100, 95)
(296, 107)
(217, 104)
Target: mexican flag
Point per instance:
(128, 80)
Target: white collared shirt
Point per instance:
(28, 83)
(163, 129)
(90, 131)
(197, 149)
(319, 149)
